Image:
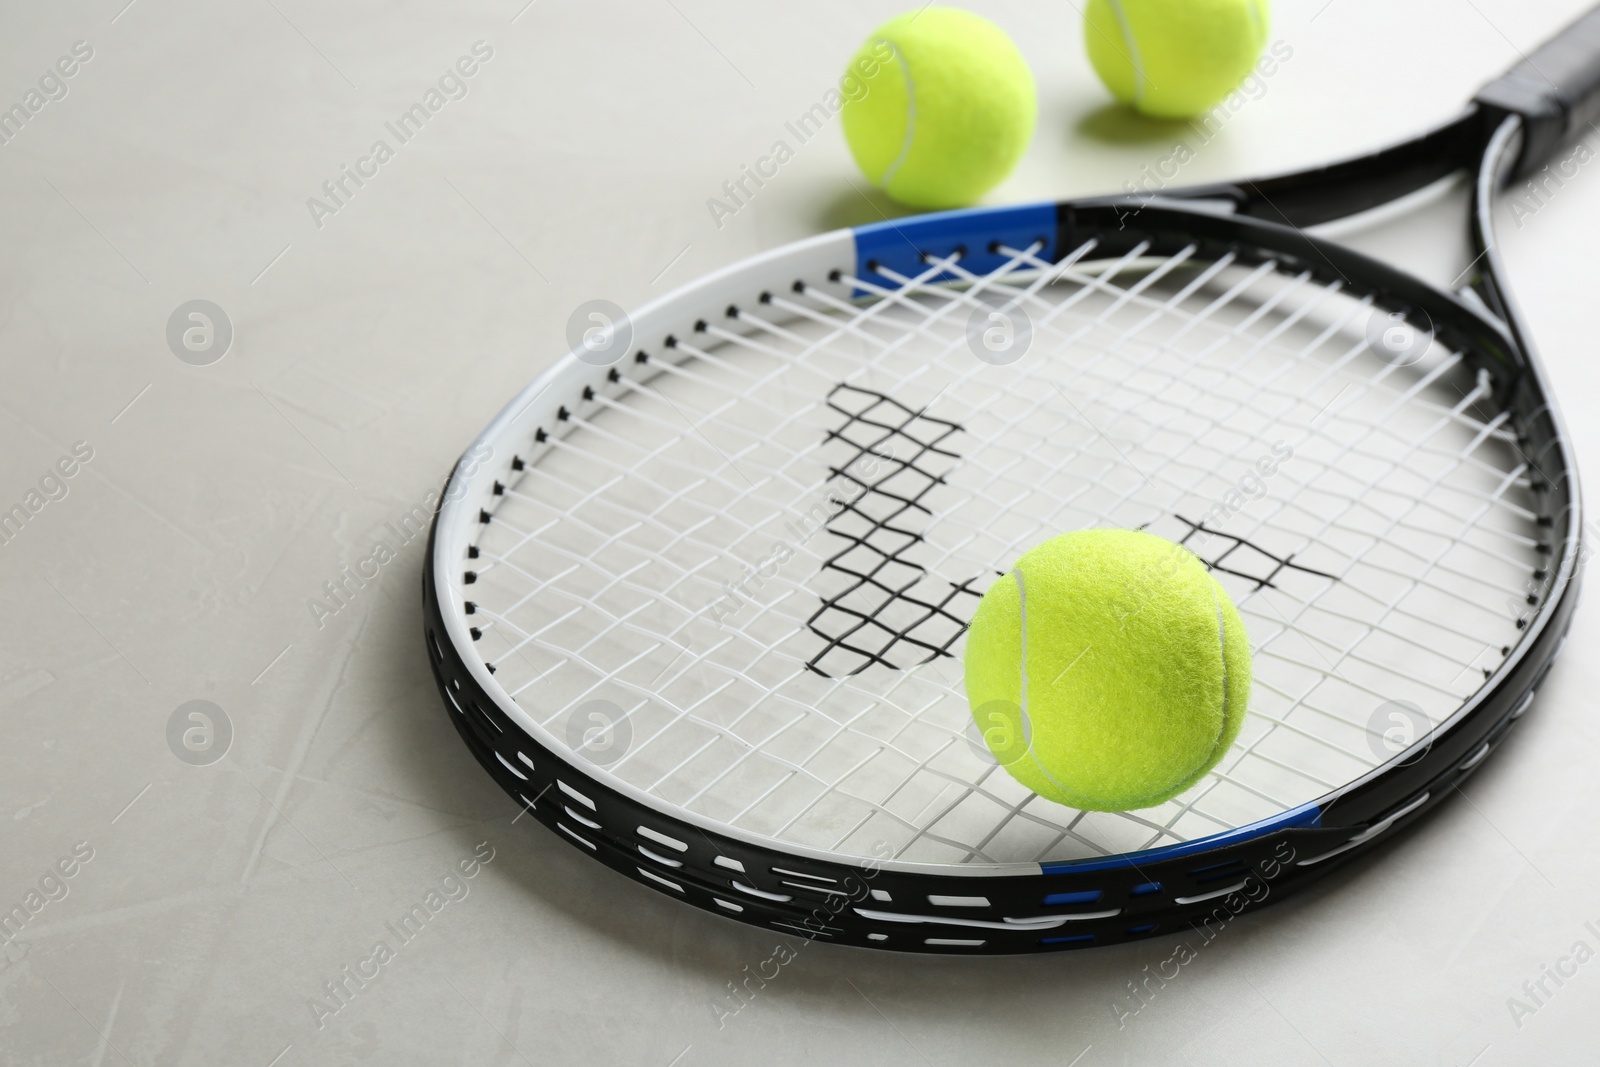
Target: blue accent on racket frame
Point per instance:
(1084, 897)
(901, 244)
(1307, 816)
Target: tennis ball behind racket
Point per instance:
(1108, 670)
(1174, 58)
(939, 106)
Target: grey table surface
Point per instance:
(208, 907)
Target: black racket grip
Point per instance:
(1556, 91)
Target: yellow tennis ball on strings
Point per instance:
(1173, 58)
(1108, 670)
(938, 107)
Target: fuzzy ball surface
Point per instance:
(1174, 58)
(1108, 670)
(938, 107)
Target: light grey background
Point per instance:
(368, 352)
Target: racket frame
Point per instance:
(983, 908)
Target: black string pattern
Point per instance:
(879, 605)
(883, 607)
(1242, 558)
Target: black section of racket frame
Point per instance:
(1350, 186)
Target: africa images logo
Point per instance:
(453, 84)
(340, 991)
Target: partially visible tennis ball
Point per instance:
(939, 106)
(1108, 670)
(1174, 58)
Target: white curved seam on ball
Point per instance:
(1140, 82)
(911, 116)
(1022, 617)
(1058, 783)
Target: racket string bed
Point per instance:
(1122, 297)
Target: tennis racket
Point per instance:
(696, 598)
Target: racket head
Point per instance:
(738, 403)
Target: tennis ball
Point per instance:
(1108, 670)
(938, 107)
(1174, 58)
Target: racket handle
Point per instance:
(1556, 91)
